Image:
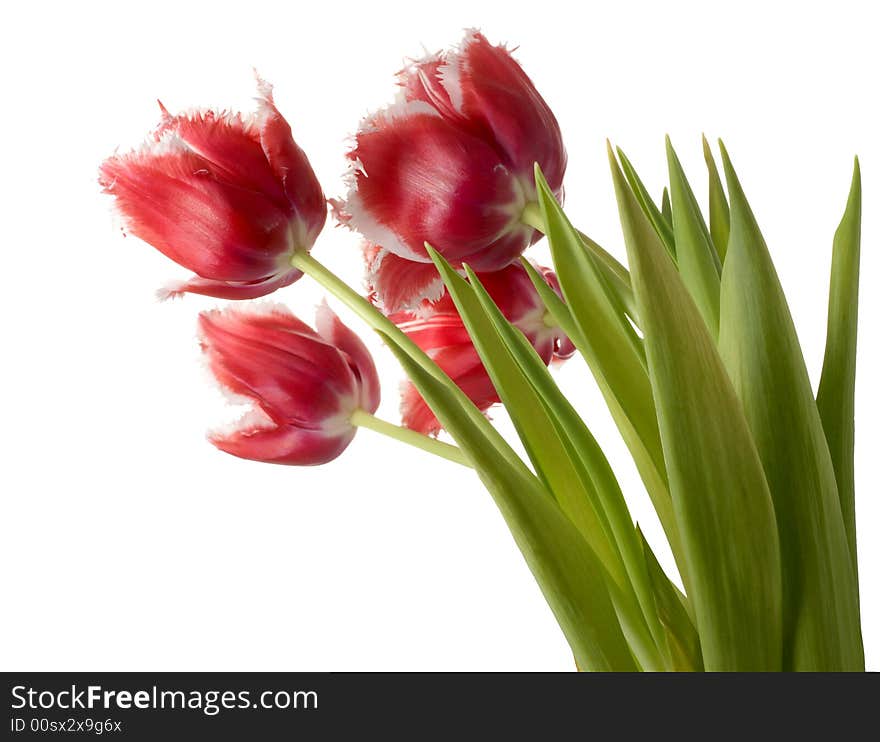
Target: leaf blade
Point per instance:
(613, 352)
(697, 260)
(836, 396)
(662, 226)
(720, 496)
(719, 210)
(541, 438)
(567, 571)
(600, 482)
(760, 348)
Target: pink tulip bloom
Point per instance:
(439, 331)
(227, 196)
(303, 385)
(451, 163)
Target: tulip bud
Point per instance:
(439, 331)
(451, 163)
(303, 385)
(226, 196)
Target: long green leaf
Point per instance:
(613, 352)
(566, 569)
(720, 496)
(599, 480)
(682, 639)
(836, 397)
(615, 275)
(542, 440)
(655, 215)
(697, 261)
(761, 351)
(666, 206)
(719, 210)
(587, 447)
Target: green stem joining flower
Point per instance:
(363, 419)
(304, 262)
(361, 306)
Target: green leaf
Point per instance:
(719, 211)
(761, 350)
(682, 639)
(666, 205)
(596, 475)
(615, 275)
(542, 440)
(567, 570)
(719, 493)
(655, 216)
(613, 352)
(697, 262)
(836, 397)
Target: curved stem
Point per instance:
(363, 419)
(303, 261)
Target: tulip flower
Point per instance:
(304, 385)
(452, 163)
(439, 331)
(229, 197)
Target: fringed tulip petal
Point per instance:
(226, 196)
(330, 327)
(497, 95)
(397, 284)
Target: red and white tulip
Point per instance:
(230, 197)
(303, 385)
(451, 163)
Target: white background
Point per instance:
(129, 543)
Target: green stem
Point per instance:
(363, 419)
(304, 261)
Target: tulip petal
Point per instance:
(275, 358)
(418, 179)
(285, 444)
(496, 94)
(462, 364)
(398, 284)
(231, 144)
(330, 328)
(291, 167)
(215, 229)
(228, 289)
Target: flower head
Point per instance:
(438, 329)
(227, 196)
(303, 384)
(451, 162)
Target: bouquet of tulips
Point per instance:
(692, 346)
